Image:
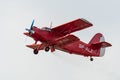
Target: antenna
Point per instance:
(51, 25)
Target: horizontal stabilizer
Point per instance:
(101, 44)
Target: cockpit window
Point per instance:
(46, 28)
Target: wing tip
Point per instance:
(86, 21)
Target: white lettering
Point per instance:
(81, 46)
(86, 48)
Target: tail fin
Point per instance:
(98, 42)
(97, 38)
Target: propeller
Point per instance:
(31, 28)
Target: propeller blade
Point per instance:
(30, 30)
(27, 29)
(32, 25)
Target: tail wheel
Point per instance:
(91, 59)
(47, 49)
(35, 51)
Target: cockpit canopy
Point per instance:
(46, 28)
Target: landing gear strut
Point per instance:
(35, 51)
(91, 59)
(47, 49)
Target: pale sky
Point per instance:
(18, 62)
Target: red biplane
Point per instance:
(60, 38)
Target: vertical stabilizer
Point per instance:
(98, 42)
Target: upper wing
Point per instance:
(70, 27)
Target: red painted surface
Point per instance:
(61, 39)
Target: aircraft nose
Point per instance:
(26, 33)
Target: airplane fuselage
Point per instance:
(42, 35)
(81, 48)
(77, 47)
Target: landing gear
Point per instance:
(47, 49)
(91, 59)
(35, 51)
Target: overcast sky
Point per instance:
(18, 62)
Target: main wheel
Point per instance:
(35, 51)
(91, 59)
(47, 49)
